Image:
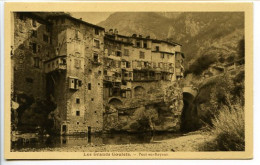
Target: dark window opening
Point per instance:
(79, 83)
(118, 53)
(105, 72)
(92, 99)
(96, 57)
(96, 43)
(145, 44)
(99, 72)
(157, 48)
(77, 123)
(89, 86)
(34, 46)
(77, 100)
(77, 113)
(64, 129)
(138, 44)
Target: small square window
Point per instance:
(92, 99)
(77, 100)
(77, 123)
(77, 113)
(89, 86)
(80, 83)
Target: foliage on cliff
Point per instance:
(221, 107)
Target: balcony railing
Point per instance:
(57, 63)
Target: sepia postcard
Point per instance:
(128, 80)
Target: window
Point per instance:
(126, 52)
(36, 62)
(77, 113)
(77, 63)
(105, 72)
(80, 83)
(29, 80)
(34, 23)
(74, 83)
(34, 47)
(138, 44)
(77, 34)
(118, 53)
(95, 58)
(145, 44)
(141, 55)
(92, 99)
(89, 86)
(128, 64)
(157, 48)
(96, 31)
(45, 38)
(162, 55)
(34, 33)
(96, 44)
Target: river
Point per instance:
(40, 142)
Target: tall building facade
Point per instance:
(86, 70)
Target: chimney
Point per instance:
(80, 19)
(134, 35)
(116, 31)
(111, 31)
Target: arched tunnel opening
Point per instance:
(189, 113)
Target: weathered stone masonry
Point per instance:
(100, 81)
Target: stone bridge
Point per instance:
(189, 94)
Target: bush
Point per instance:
(201, 64)
(229, 129)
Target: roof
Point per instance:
(75, 19)
(151, 39)
(163, 52)
(35, 16)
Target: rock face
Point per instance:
(147, 115)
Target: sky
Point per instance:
(91, 17)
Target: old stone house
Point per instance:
(85, 69)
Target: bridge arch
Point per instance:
(116, 102)
(189, 111)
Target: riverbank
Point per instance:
(193, 141)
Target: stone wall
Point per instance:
(152, 112)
